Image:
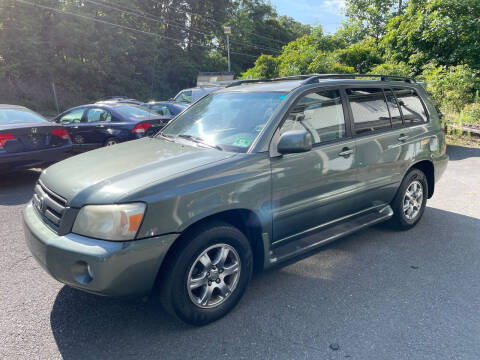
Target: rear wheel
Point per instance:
(208, 275)
(110, 142)
(410, 201)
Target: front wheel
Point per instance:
(208, 275)
(410, 201)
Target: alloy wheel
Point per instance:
(413, 199)
(213, 276)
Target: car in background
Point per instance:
(191, 95)
(29, 140)
(167, 108)
(96, 125)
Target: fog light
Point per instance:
(82, 272)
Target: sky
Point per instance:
(327, 13)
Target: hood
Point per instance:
(105, 175)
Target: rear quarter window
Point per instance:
(412, 108)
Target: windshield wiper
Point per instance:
(199, 140)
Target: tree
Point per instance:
(361, 56)
(444, 31)
(370, 16)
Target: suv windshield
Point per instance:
(228, 120)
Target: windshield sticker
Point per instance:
(283, 96)
(242, 142)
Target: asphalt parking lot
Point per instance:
(378, 294)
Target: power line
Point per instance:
(142, 14)
(120, 26)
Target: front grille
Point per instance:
(50, 205)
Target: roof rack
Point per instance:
(313, 78)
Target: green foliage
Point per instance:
(390, 68)
(266, 67)
(450, 87)
(369, 17)
(471, 113)
(88, 60)
(444, 31)
(325, 63)
(361, 56)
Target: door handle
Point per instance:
(346, 152)
(403, 137)
(74, 127)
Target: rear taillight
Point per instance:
(141, 128)
(61, 133)
(4, 138)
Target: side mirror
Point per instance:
(295, 141)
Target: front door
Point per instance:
(312, 188)
(71, 121)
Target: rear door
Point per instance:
(383, 148)
(415, 117)
(310, 189)
(96, 126)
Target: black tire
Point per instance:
(174, 294)
(110, 141)
(400, 220)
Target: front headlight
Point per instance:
(109, 222)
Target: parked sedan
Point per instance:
(167, 108)
(97, 125)
(28, 140)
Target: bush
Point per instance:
(451, 88)
(266, 67)
(389, 68)
(471, 113)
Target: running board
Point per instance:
(322, 237)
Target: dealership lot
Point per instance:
(378, 294)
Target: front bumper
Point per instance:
(30, 159)
(102, 267)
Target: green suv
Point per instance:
(247, 177)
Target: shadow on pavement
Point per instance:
(462, 152)
(377, 278)
(17, 187)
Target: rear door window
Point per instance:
(369, 109)
(412, 108)
(98, 115)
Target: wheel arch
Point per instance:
(427, 167)
(247, 221)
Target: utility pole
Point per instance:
(228, 31)
(153, 76)
(55, 97)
